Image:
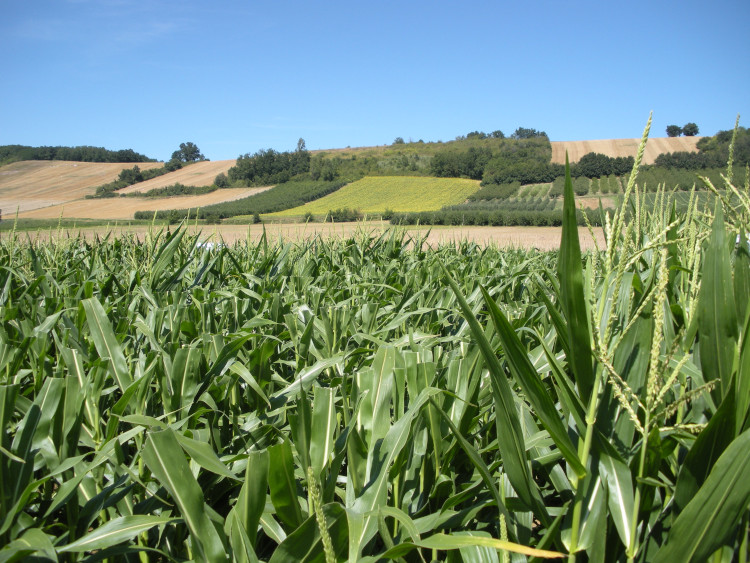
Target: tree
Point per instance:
(690, 130)
(188, 152)
(221, 180)
(498, 134)
(398, 141)
(527, 133)
(301, 145)
(674, 130)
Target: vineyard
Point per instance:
(373, 398)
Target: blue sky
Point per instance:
(237, 76)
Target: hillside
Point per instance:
(61, 186)
(121, 208)
(197, 174)
(622, 147)
(32, 184)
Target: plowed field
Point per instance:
(125, 208)
(197, 174)
(32, 184)
(622, 147)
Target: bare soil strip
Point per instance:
(542, 238)
(622, 147)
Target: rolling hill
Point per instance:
(47, 189)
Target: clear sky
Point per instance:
(236, 76)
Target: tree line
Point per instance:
(712, 152)
(268, 166)
(15, 153)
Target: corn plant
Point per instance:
(374, 398)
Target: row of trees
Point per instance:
(712, 152)
(596, 165)
(689, 130)
(524, 158)
(188, 152)
(14, 153)
(520, 133)
(268, 166)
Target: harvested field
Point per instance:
(622, 147)
(543, 238)
(33, 184)
(117, 208)
(196, 174)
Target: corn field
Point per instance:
(374, 399)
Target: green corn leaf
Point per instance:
(717, 312)
(534, 389)
(33, 541)
(509, 436)
(479, 465)
(242, 545)
(251, 501)
(455, 541)
(323, 427)
(574, 307)
(116, 531)
(742, 275)
(711, 518)
(284, 486)
(742, 419)
(705, 452)
(620, 499)
(305, 378)
(106, 342)
(164, 256)
(593, 489)
(184, 377)
(164, 457)
(305, 543)
(203, 454)
(363, 513)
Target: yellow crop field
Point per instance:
(375, 194)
